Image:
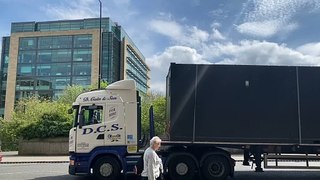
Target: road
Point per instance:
(59, 171)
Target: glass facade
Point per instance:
(137, 70)
(47, 64)
(111, 49)
(4, 72)
(94, 23)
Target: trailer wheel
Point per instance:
(106, 168)
(215, 167)
(181, 167)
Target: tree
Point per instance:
(40, 118)
(70, 94)
(30, 119)
(103, 85)
(158, 101)
(49, 125)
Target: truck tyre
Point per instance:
(215, 167)
(106, 168)
(181, 167)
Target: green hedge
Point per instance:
(50, 125)
(35, 118)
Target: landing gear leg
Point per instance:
(246, 157)
(258, 161)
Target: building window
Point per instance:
(23, 27)
(81, 69)
(61, 69)
(26, 70)
(54, 26)
(44, 56)
(43, 27)
(61, 55)
(82, 55)
(83, 41)
(27, 43)
(60, 83)
(45, 43)
(62, 42)
(81, 80)
(44, 83)
(44, 70)
(25, 84)
(27, 56)
(55, 42)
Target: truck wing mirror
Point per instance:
(70, 111)
(81, 119)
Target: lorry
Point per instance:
(269, 112)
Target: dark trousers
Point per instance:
(146, 178)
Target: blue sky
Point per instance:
(272, 32)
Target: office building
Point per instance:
(42, 58)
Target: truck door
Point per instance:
(90, 131)
(114, 134)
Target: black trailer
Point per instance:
(260, 109)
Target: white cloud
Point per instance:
(190, 36)
(73, 9)
(177, 54)
(215, 25)
(266, 18)
(263, 53)
(265, 29)
(216, 35)
(312, 49)
(160, 63)
(193, 46)
(167, 28)
(158, 86)
(79, 9)
(195, 36)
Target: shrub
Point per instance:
(158, 102)
(35, 118)
(48, 126)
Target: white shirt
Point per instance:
(152, 164)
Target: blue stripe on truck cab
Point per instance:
(84, 161)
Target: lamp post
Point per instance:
(100, 46)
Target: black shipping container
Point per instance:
(244, 104)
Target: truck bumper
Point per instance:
(78, 165)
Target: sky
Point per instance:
(262, 32)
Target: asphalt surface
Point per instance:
(59, 171)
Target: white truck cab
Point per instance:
(105, 130)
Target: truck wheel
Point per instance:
(181, 167)
(215, 167)
(106, 168)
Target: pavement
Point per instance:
(12, 157)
